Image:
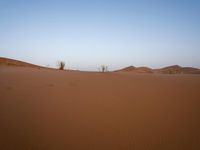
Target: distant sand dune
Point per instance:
(136, 69)
(175, 69)
(178, 70)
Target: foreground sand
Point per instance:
(43, 109)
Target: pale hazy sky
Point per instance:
(88, 33)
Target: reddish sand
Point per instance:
(43, 109)
(175, 69)
(16, 63)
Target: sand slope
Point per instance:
(16, 63)
(175, 69)
(136, 69)
(50, 109)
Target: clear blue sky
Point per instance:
(88, 33)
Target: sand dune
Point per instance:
(175, 69)
(58, 110)
(16, 63)
(136, 69)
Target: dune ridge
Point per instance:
(17, 63)
(174, 69)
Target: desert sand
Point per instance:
(48, 109)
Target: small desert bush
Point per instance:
(61, 65)
(104, 68)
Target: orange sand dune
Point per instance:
(44, 109)
(16, 63)
(175, 69)
(136, 69)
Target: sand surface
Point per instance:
(44, 109)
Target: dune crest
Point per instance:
(174, 69)
(17, 63)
